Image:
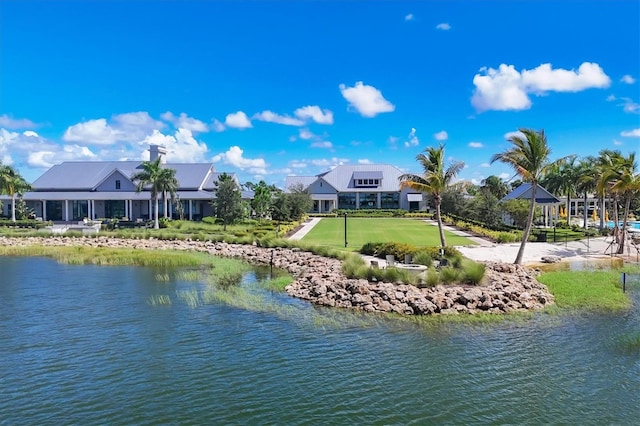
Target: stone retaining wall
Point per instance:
(320, 280)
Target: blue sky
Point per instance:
(269, 89)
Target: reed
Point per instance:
(276, 284)
(159, 300)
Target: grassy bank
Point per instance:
(587, 290)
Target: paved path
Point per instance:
(305, 228)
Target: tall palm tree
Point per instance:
(587, 182)
(610, 163)
(529, 157)
(169, 186)
(158, 179)
(12, 183)
(434, 180)
(561, 179)
(625, 182)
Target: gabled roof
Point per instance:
(81, 175)
(87, 175)
(523, 192)
(342, 177)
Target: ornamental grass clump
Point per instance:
(472, 272)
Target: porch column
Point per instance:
(44, 210)
(66, 210)
(151, 215)
(190, 209)
(379, 200)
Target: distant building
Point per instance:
(77, 190)
(362, 186)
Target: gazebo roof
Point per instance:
(523, 192)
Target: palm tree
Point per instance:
(561, 179)
(12, 183)
(496, 186)
(529, 157)
(625, 182)
(610, 163)
(158, 179)
(169, 186)
(587, 182)
(434, 180)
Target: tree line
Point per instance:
(610, 175)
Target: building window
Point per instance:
(390, 200)
(117, 184)
(368, 200)
(347, 200)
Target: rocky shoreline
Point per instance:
(320, 280)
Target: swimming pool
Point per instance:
(632, 224)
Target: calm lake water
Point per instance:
(87, 345)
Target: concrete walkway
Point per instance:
(305, 228)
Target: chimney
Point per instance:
(156, 151)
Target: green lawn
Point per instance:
(330, 232)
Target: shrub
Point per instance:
(449, 275)
(210, 220)
(562, 224)
(423, 258)
(472, 272)
(432, 277)
(370, 249)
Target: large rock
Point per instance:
(320, 280)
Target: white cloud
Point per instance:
(635, 133)
(218, 126)
(628, 79)
(15, 123)
(441, 136)
(127, 127)
(504, 176)
(409, 17)
(475, 145)
(272, 117)
(305, 134)
(443, 26)
(630, 107)
(297, 164)
(183, 121)
(364, 161)
(485, 165)
(617, 142)
(611, 98)
(545, 79)
(499, 90)
(234, 157)
(315, 113)
(181, 147)
(321, 144)
(331, 162)
(238, 120)
(507, 89)
(367, 100)
(412, 139)
(96, 132)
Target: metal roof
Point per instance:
(342, 177)
(373, 174)
(86, 175)
(523, 192)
